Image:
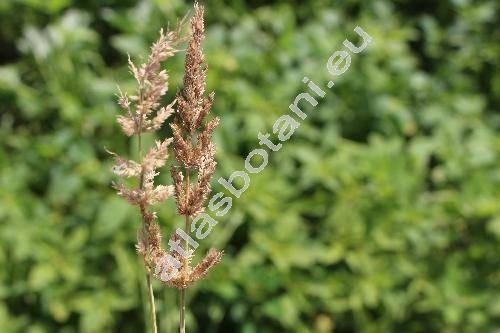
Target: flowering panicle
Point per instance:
(193, 151)
(143, 113)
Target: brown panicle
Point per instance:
(193, 151)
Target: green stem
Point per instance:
(182, 309)
(149, 282)
(182, 317)
(182, 306)
(152, 307)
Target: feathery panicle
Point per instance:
(192, 109)
(137, 119)
(191, 101)
(152, 85)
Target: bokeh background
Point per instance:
(381, 214)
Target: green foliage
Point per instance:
(381, 214)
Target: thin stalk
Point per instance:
(182, 311)
(149, 283)
(152, 307)
(182, 306)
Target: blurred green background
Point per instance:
(381, 214)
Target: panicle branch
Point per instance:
(152, 84)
